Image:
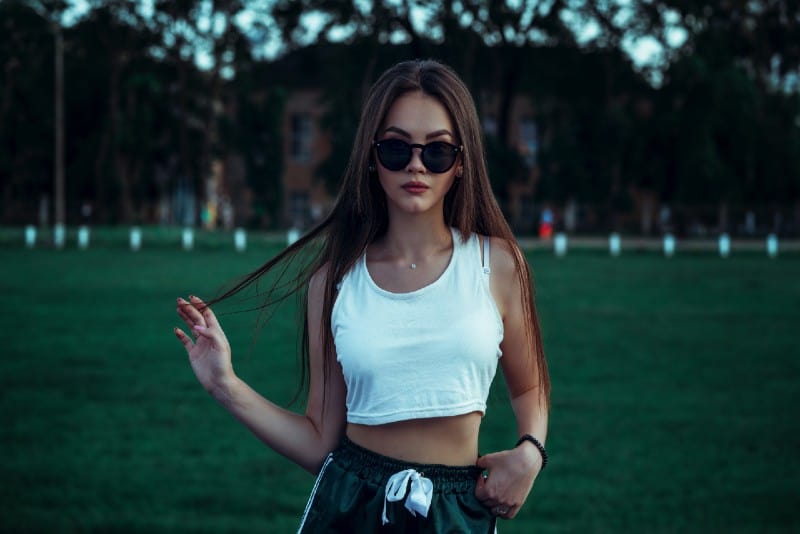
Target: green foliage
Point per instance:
(141, 119)
(26, 120)
(505, 166)
(251, 130)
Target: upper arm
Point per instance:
(519, 361)
(326, 390)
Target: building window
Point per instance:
(301, 134)
(528, 141)
(299, 208)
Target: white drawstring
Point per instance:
(419, 495)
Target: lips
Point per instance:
(415, 187)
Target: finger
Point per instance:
(188, 320)
(200, 330)
(181, 308)
(481, 493)
(480, 488)
(186, 340)
(193, 315)
(208, 315)
(210, 334)
(484, 461)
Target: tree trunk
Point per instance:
(118, 158)
(509, 79)
(60, 203)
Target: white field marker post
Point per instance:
(83, 237)
(669, 245)
(614, 244)
(188, 239)
(560, 244)
(136, 238)
(772, 245)
(59, 235)
(240, 240)
(724, 246)
(292, 236)
(30, 236)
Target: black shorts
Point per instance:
(350, 495)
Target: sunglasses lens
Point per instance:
(438, 157)
(394, 154)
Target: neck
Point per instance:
(414, 238)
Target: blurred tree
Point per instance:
(190, 133)
(154, 95)
(112, 73)
(230, 109)
(762, 37)
(26, 110)
(735, 97)
(142, 117)
(588, 108)
(250, 130)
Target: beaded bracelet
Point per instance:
(537, 444)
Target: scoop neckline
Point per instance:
(422, 290)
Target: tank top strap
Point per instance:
(486, 268)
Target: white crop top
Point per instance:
(432, 352)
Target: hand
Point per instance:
(509, 480)
(210, 352)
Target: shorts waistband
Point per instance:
(377, 468)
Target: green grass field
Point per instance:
(675, 385)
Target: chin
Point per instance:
(417, 208)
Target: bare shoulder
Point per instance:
(502, 254)
(316, 284)
(505, 279)
(319, 277)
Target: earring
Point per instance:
(371, 168)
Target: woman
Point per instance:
(416, 293)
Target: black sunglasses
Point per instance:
(438, 157)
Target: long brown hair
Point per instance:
(359, 215)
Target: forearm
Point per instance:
(530, 410)
(290, 434)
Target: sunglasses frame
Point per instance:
(457, 149)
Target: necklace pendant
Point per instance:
(413, 265)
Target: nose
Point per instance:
(415, 164)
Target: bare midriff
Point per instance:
(438, 440)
